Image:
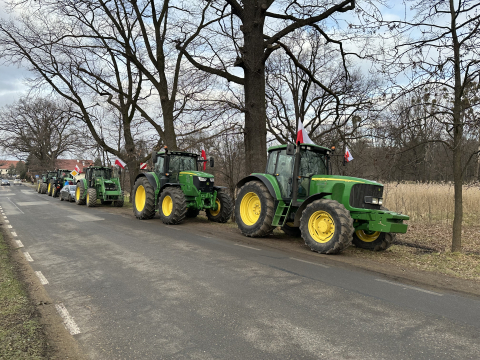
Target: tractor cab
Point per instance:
(314, 160)
(97, 172)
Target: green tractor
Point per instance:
(299, 194)
(99, 183)
(177, 189)
(58, 181)
(46, 187)
(41, 180)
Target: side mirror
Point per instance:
(212, 162)
(290, 149)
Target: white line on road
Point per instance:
(4, 217)
(14, 234)
(9, 226)
(68, 321)
(27, 256)
(248, 247)
(15, 205)
(309, 262)
(43, 279)
(409, 287)
(6, 221)
(19, 243)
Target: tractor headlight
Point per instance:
(212, 179)
(380, 201)
(202, 178)
(373, 200)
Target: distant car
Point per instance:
(68, 193)
(17, 182)
(5, 182)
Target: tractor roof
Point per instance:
(99, 167)
(178, 153)
(284, 146)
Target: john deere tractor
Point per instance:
(41, 180)
(99, 184)
(57, 182)
(46, 188)
(177, 189)
(298, 193)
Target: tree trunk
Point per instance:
(255, 136)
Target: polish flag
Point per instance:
(348, 155)
(77, 169)
(302, 135)
(204, 156)
(143, 166)
(120, 163)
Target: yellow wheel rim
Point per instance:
(88, 198)
(367, 236)
(321, 226)
(49, 186)
(140, 198)
(167, 205)
(216, 212)
(77, 193)
(38, 188)
(250, 208)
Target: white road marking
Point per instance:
(4, 217)
(15, 206)
(14, 234)
(248, 247)
(409, 287)
(85, 218)
(19, 243)
(7, 221)
(312, 263)
(68, 321)
(43, 279)
(30, 203)
(9, 226)
(27, 256)
(173, 227)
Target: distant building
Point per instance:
(5, 165)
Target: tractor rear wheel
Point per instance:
(291, 230)
(143, 199)
(49, 189)
(119, 203)
(192, 212)
(79, 191)
(39, 187)
(254, 210)
(326, 226)
(91, 197)
(43, 189)
(373, 240)
(224, 210)
(173, 206)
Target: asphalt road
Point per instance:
(142, 290)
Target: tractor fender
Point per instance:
(169, 185)
(151, 177)
(83, 182)
(264, 180)
(310, 199)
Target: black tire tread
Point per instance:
(92, 197)
(82, 200)
(119, 203)
(226, 208)
(148, 211)
(179, 206)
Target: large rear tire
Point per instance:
(43, 189)
(326, 226)
(91, 197)
(79, 191)
(373, 240)
(173, 206)
(143, 199)
(49, 189)
(254, 210)
(39, 187)
(224, 210)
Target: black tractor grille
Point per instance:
(359, 191)
(110, 187)
(204, 186)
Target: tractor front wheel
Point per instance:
(326, 226)
(143, 199)
(373, 240)
(79, 191)
(49, 189)
(254, 210)
(39, 187)
(119, 203)
(43, 189)
(173, 206)
(224, 208)
(91, 197)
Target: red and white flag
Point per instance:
(204, 156)
(120, 163)
(348, 155)
(302, 135)
(77, 169)
(143, 166)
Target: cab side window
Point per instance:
(159, 165)
(272, 161)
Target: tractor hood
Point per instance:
(197, 173)
(347, 179)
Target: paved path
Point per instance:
(132, 289)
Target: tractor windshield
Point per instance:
(102, 173)
(181, 163)
(312, 163)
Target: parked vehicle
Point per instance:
(99, 183)
(68, 193)
(5, 182)
(17, 182)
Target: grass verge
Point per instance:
(21, 335)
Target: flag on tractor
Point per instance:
(302, 135)
(120, 163)
(143, 166)
(348, 155)
(77, 169)
(204, 156)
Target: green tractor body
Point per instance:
(99, 183)
(40, 182)
(298, 193)
(57, 182)
(46, 187)
(177, 189)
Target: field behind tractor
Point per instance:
(427, 243)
